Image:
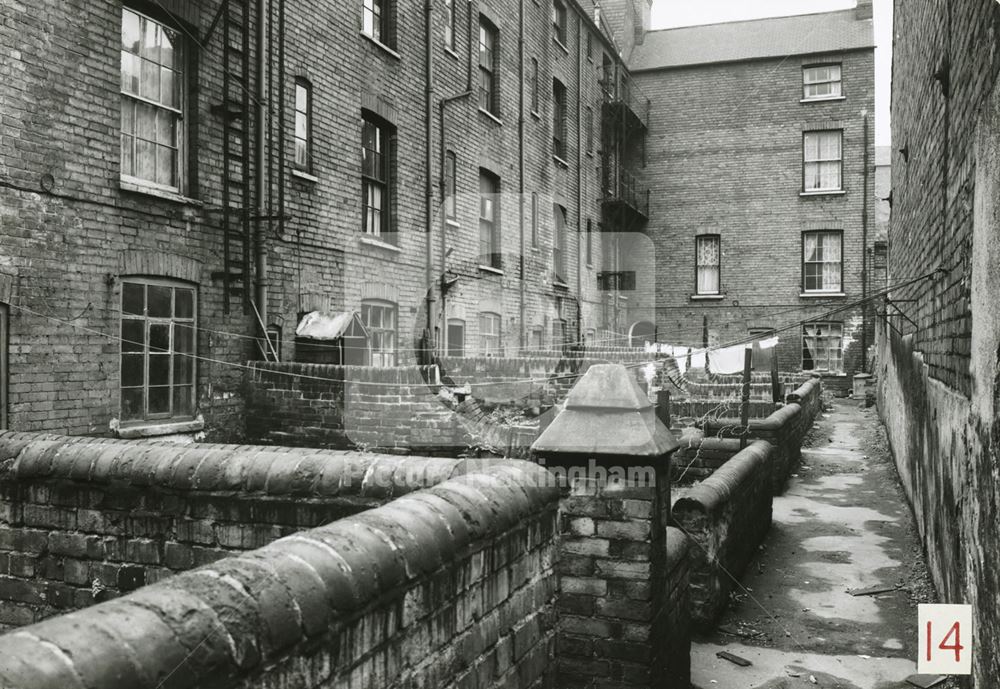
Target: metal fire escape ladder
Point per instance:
(236, 154)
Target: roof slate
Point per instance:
(753, 39)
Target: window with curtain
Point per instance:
(708, 264)
(590, 242)
(489, 334)
(820, 82)
(379, 318)
(821, 161)
(152, 102)
(822, 347)
(303, 125)
(489, 219)
(822, 263)
(488, 99)
(589, 130)
(157, 350)
(559, 243)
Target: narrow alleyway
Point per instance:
(842, 525)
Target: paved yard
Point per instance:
(841, 525)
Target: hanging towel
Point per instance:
(726, 360)
(769, 343)
(681, 362)
(698, 359)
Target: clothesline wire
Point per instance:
(547, 379)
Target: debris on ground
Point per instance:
(732, 658)
(874, 590)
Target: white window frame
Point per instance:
(128, 343)
(375, 20)
(490, 334)
(813, 159)
(382, 339)
(699, 266)
(822, 237)
(823, 334)
(305, 118)
(376, 179)
(134, 100)
(810, 79)
(489, 74)
(489, 220)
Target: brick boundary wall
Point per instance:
(785, 429)
(727, 515)
(321, 405)
(698, 458)
(452, 586)
(84, 519)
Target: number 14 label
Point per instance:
(945, 639)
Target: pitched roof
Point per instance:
(753, 39)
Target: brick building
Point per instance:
(761, 157)
(177, 176)
(940, 329)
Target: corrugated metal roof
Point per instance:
(753, 39)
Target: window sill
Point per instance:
(452, 53)
(560, 162)
(826, 99)
(534, 113)
(153, 429)
(559, 284)
(491, 269)
(829, 192)
(491, 116)
(371, 241)
(559, 43)
(821, 295)
(452, 223)
(304, 176)
(386, 49)
(138, 187)
(707, 297)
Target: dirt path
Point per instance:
(842, 524)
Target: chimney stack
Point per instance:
(863, 10)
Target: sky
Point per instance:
(669, 13)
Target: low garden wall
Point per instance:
(451, 586)
(697, 458)
(786, 429)
(727, 516)
(85, 519)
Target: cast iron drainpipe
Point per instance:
(444, 221)
(429, 162)
(260, 250)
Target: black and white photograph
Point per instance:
(499, 344)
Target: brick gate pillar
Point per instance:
(612, 457)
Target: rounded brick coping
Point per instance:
(773, 422)
(710, 444)
(803, 391)
(230, 619)
(711, 494)
(257, 469)
(677, 547)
